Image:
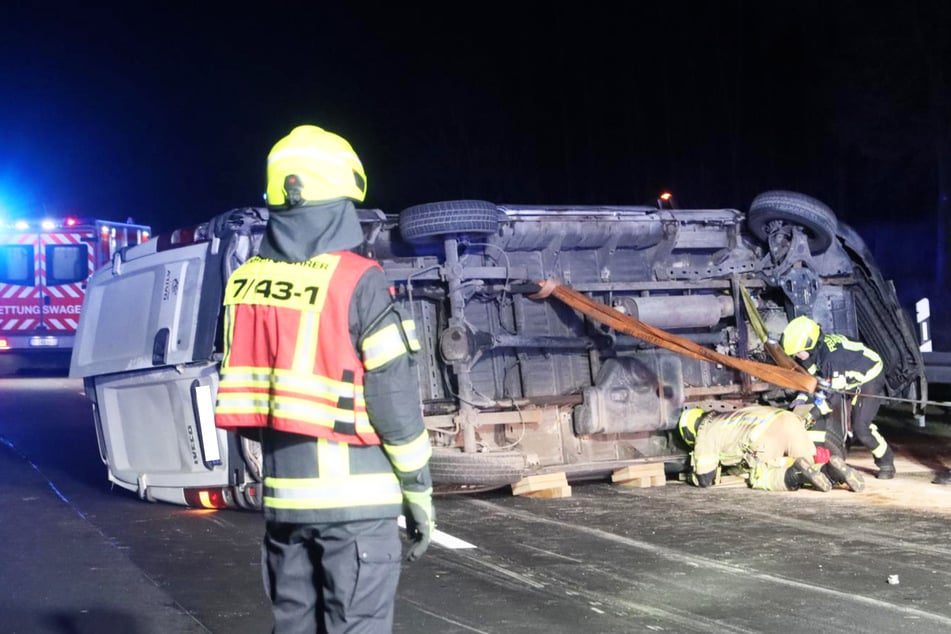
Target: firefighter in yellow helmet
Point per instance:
(841, 364)
(319, 361)
(768, 444)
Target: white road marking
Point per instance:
(709, 564)
(443, 539)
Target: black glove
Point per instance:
(420, 521)
(418, 510)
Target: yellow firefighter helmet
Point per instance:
(689, 419)
(800, 334)
(313, 165)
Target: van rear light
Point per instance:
(252, 495)
(209, 498)
(4, 343)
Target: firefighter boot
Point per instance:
(801, 472)
(886, 465)
(838, 472)
(886, 472)
(942, 478)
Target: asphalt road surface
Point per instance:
(78, 556)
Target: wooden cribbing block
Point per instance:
(732, 481)
(649, 474)
(564, 491)
(546, 485)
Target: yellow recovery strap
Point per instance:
(775, 350)
(785, 377)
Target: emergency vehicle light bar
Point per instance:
(46, 224)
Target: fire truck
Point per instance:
(44, 269)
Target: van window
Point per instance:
(16, 264)
(66, 264)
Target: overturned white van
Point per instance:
(510, 385)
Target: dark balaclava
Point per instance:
(299, 234)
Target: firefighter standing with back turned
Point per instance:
(843, 364)
(319, 361)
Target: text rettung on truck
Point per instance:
(511, 385)
(45, 266)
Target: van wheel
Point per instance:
(451, 466)
(795, 209)
(474, 217)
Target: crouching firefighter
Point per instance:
(768, 445)
(842, 364)
(318, 361)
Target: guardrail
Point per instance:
(937, 366)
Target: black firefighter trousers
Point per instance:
(862, 413)
(332, 578)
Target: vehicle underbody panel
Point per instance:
(512, 384)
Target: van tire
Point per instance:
(451, 466)
(473, 217)
(794, 208)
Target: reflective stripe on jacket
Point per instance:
(322, 480)
(289, 362)
(727, 438)
(412, 456)
(847, 364)
(352, 479)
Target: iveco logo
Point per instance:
(169, 287)
(192, 446)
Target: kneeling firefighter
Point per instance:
(318, 360)
(768, 444)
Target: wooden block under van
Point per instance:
(649, 474)
(546, 485)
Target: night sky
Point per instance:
(167, 115)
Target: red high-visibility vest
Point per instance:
(289, 362)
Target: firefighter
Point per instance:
(842, 364)
(814, 411)
(768, 444)
(318, 360)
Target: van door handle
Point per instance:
(160, 347)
